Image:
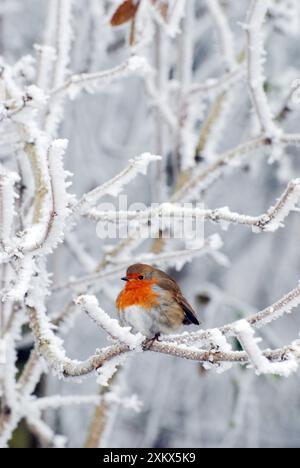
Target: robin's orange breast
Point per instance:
(141, 295)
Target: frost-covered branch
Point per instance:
(201, 179)
(187, 346)
(223, 83)
(256, 79)
(78, 250)
(92, 81)
(51, 204)
(269, 221)
(90, 305)
(45, 435)
(160, 102)
(245, 334)
(48, 233)
(49, 346)
(63, 41)
(7, 206)
(226, 39)
(284, 306)
(57, 401)
(115, 186)
(45, 57)
(174, 258)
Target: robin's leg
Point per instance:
(148, 343)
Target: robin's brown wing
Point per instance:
(189, 313)
(167, 283)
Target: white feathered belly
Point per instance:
(144, 321)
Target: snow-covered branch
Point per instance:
(57, 401)
(7, 206)
(280, 361)
(175, 258)
(160, 102)
(214, 85)
(269, 221)
(226, 39)
(256, 79)
(90, 305)
(51, 204)
(245, 335)
(92, 81)
(62, 44)
(51, 349)
(201, 179)
(115, 186)
(48, 233)
(284, 306)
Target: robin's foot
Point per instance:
(148, 343)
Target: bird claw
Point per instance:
(148, 343)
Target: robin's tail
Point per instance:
(189, 316)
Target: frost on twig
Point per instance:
(215, 85)
(63, 40)
(202, 179)
(51, 207)
(53, 213)
(226, 39)
(245, 334)
(114, 186)
(218, 352)
(58, 401)
(25, 269)
(45, 58)
(269, 221)
(50, 347)
(284, 306)
(7, 206)
(109, 369)
(257, 16)
(91, 82)
(90, 305)
(218, 343)
(176, 259)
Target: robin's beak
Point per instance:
(125, 278)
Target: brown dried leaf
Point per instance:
(126, 12)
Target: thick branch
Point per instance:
(51, 348)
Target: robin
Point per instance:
(152, 302)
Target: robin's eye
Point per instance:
(141, 277)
